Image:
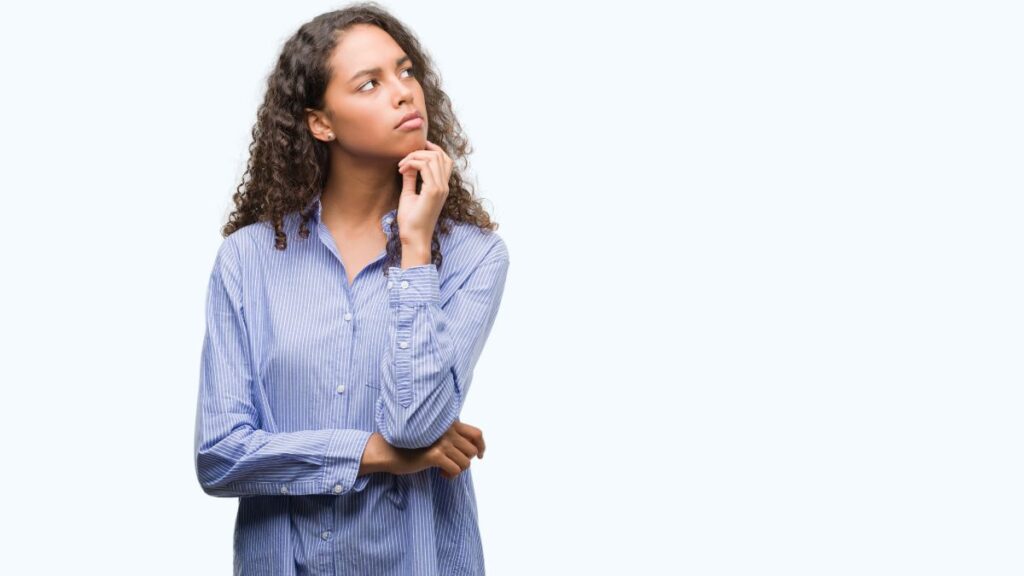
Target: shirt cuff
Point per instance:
(343, 458)
(415, 285)
(361, 482)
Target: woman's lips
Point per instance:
(411, 124)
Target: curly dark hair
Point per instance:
(288, 167)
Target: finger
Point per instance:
(468, 430)
(427, 172)
(417, 163)
(465, 429)
(447, 465)
(416, 155)
(446, 166)
(476, 436)
(408, 182)
(436, 165)
(463, 444)
(433, 176)
(409, 172)
(437, 156)
(413, 165)
(447, 161)
(456, 455)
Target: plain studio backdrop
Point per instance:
(763, 315)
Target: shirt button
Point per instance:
(338, 488)
(403, 344)
(341, 388)
(390, 284)
(326, 535)
(405, 283)
(284, 489)
(348, 316)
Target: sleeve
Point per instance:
(234, 457)
(433, 347)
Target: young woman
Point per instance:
(351, 298)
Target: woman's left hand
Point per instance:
(418, 213)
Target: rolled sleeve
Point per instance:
(433, 346)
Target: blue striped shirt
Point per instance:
(298, 368)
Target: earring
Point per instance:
(330, 136)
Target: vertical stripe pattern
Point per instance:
(299, 367)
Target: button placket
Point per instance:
(404, 343)
(343, 372)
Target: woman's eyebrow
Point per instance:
(377, 70)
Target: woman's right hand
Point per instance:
(451, 452)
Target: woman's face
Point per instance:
(373, 85)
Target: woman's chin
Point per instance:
(412, 143)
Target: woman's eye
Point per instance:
(411, 75)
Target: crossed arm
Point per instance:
(426, 373)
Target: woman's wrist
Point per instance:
(378, 455)
(415, 254)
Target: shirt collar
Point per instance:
(385, 221)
